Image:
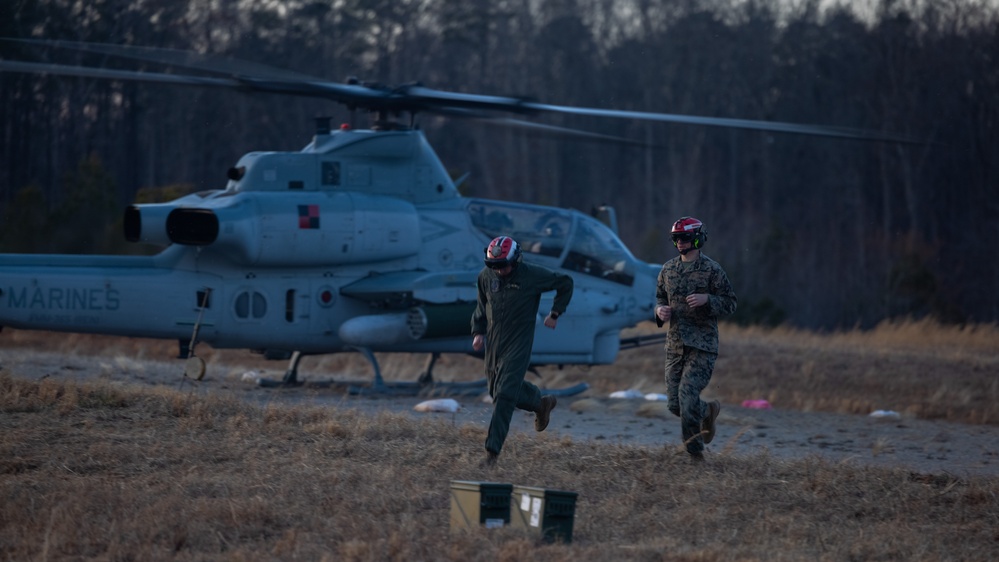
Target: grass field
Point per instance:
(108, 471)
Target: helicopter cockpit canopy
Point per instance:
(573, 240)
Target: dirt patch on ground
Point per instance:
(918, 445)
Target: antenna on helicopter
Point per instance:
(323, 125)
(605, 214)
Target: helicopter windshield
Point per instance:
(593, 249)
(596, 250)
(538, 230)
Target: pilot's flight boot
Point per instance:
(489, 460)
(708, 423)
(544, 412)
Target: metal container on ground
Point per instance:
(476, 504)
(550, 513)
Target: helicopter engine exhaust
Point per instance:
(146, 223)
(166, 224)
(423, 322)
(192, 227)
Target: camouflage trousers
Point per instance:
(687, 374)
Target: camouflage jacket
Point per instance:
(694, 327)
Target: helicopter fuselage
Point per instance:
(360, 240)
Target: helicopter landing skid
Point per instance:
(290, 378)
(425, 385)
(432, 389)
(474, 388)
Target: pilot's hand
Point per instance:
(550, 321)
(663, 313)
(478, 342)
(697, 299)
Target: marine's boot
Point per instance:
(708, 423)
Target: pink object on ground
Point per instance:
(756, 404)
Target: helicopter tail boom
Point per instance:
(99, 294)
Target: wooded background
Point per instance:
(817, 232)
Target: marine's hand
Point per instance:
(551, 322)
(697, 299)
(663, 313)
(478, 342)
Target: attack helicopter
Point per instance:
(359, 242)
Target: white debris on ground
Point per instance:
(889, 414)
(439, 405)
(628, 394)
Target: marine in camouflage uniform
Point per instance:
(508, 300)
(692, 292)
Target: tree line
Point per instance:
(818, 232)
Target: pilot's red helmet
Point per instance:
(501, 252)
(689, 229)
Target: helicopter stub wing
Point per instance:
(438, 305)
(425, 286)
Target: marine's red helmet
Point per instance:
(690, 230)
(501, 252)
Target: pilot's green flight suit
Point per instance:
(507, 315)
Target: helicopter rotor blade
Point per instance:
(240, 75)
(431, 97)
(348, 94)
(566, 131)
(354, 95)
(534, 127)
(775, 126)
(411, 98)
(173, 57)
(111, 74)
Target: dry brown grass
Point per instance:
(918, 368)
(102, 471)
(106, 471)
(921, 369)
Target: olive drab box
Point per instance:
(550, 513)
(476, 504)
